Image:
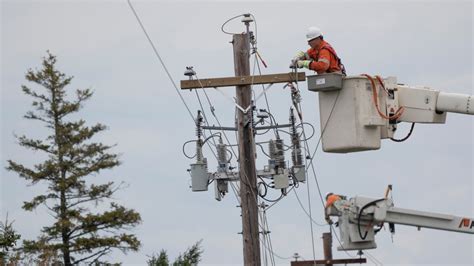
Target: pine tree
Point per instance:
(192, 256)
(8, 239)
(80, 232)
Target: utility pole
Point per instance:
(328, 260)
(248, 172)
(327, 247)
(245, 127)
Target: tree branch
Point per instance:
(93, 255)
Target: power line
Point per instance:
(302, 207)
(159, 58)
(373, 258)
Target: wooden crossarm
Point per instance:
(242, 80)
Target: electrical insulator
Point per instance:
(277, 154)
(199, 142)
(247, 18)
(296, 156)
(199, 121)
(222, 156)
(189, 72)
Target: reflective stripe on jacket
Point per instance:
(325, 59)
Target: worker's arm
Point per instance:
(322, 65)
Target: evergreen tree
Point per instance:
(160, 260)
(192, 256)
(80, 232)
(8, 239)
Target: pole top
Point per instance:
(247, 18)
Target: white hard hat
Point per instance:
(313, 32)
(328, 194)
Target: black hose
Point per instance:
(409, 134)
(360, 213)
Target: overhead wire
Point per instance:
(373, 258)
(312, 165)
(317, 146)
(182, 98)
(302, 207)
(267, 227)
(227, 21)
(184, 152)
(159, 58)
(265, 231)
(254, 193)
(333, 231)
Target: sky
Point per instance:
(101, 44)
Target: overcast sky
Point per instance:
(101, 45)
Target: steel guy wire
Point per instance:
(159, 58)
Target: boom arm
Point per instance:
(359, 216)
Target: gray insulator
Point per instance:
(280, 153)
(222, 157)
(277, 154)
(297, 157)
(199, 156)
(189, 72)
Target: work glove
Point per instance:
(298, 56)
(329, 221)
(303, 63)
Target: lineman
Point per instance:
(321, 57)
(330, 199)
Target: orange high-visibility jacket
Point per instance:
(331, 199)
(325, 59)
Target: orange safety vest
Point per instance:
(325, 59)
(331, 199)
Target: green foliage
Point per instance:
(160, 260)
(80, 233)
(8, 239)
(192, 256)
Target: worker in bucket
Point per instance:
(321, 57)
(331, 198)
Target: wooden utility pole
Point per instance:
(328, 260)
(248, 171)
(327, 247)
(245, 128)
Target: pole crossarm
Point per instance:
(326, 262)
(242, 80)
(256, 128)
